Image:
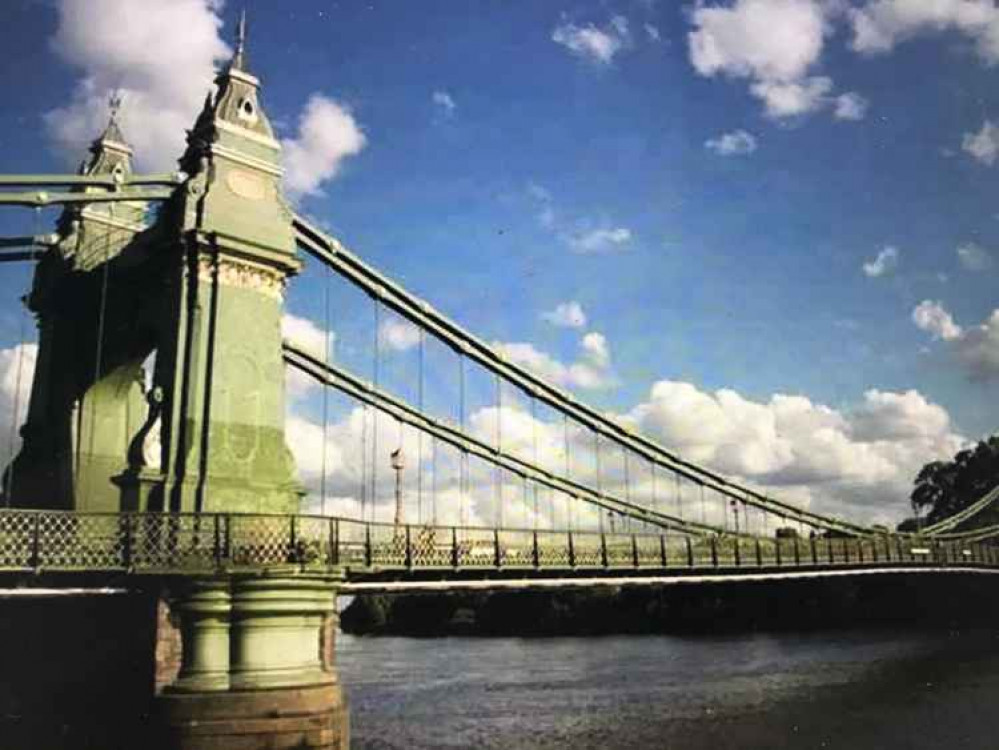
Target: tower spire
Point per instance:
(239, 56)
(112, 132)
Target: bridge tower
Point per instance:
(160, 389)
(95, 330)
(200, 293)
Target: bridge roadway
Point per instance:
(39, 548)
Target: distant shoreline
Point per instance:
(890, 601)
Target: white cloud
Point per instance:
(793, 98)
(775, 45)
(973, 257)
(566, 315)
(396, 334)
(978, 349)
(850, 106)
(161, 56)
(591, 371)
(327, 134)
(884, 263)
(933, 318)
(772, 43)
(880, 25)
(599, 240)
(306, 335)
(983, 146)
(975, 349)
(444, 101)
(769, 40)
(652, 32)
(17, 368)
(736, 143)
(860, 462)
(598, 45)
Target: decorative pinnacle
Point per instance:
(115, 100)
(239, 57)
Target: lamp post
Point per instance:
(735, 513)
(398, 464)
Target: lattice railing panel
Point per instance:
(68, 541)
(167, 541)
(619, 551)
(516, 549)
(476, 548)
(553, 550)
(431, 547)
(16, 539)
(587, 550)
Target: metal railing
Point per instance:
(198, 543)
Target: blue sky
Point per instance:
(706, 182)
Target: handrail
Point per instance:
(202, 543)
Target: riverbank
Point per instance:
(931, 601)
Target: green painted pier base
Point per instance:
(256, 669)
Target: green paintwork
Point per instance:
(201, 290)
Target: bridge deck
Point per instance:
(385, 556)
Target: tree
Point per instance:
(946, 487)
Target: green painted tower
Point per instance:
(219, 365)
(87, 403)
(195, 299)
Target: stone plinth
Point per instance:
(256, 670)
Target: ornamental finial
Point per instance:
(239, 57)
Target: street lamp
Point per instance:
(398, 464)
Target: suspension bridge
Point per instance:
(154, 453)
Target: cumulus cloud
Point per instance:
(17, 368)
(599, 240)
(774, 44)
(398, 335)
(850, 106)
(161, 56)
(982, 146)
(327, 134)
(444, 102)
(859, 462)
(591, 371)
(884, 262)
(978, 349)
(932, 317)
(652, 32)
(736, 143)
(880, 25)
(306, 335)
(596, 44)
(310, 337)
(975, 349)
(566, 315)
(974, 257)
(793, 98)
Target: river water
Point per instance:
(880, 689)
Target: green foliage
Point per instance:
(946, 487)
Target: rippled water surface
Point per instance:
(831, 690)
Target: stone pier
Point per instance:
(257, 668)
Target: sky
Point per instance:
(762, 231)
